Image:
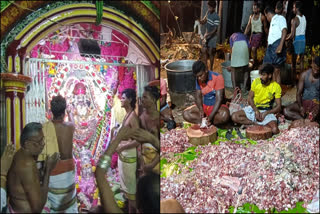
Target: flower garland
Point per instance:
(88, 193)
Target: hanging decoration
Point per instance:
(99, 7)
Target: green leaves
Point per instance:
(251, 208)
(186, 125)
(247, 208)
(189, 155)
(222, 133)
(298, 209)
(166, 168)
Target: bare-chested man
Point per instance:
(127, 149)
(26, 194)
(150, 116)
(257, 24)
(308, 93)
(150, 121)
(58, 138)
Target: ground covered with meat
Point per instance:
(271, 174)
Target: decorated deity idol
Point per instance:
(87, 180)
(85, 115)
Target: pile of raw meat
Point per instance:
(271, 174)
(174, 141)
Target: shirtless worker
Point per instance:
(58, 137)
(26, 194)
(308, 92)
(257, 23)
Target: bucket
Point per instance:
(254, 74)
(180, 76)
(226, 74)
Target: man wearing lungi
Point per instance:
(264, 91)
(58, 136)
(276, 52)
(308, 93)
(257, 22)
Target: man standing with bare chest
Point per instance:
(58, 138)
(26, 193)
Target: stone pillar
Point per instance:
(14, 88)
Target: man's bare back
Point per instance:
(64, 133)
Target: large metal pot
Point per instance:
(180, 76)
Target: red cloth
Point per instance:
(63, 166)
(208, 109)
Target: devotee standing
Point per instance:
(58, 137)
(239, 59)
(264, 91)
(298, 31)
(212, 22)
(26, 193)
(257, 22)
(308, 93)
(150, 116)
(6, 161)
(276, 52)
(127, 150)
(150, 122)
(209, 97)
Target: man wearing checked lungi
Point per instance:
(257, 23)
